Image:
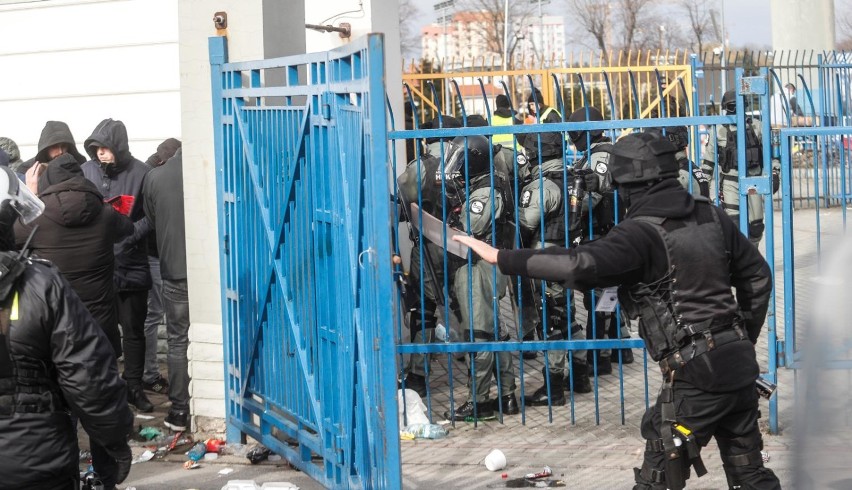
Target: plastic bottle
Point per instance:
(426, 431)
(197, 451)
(444, 334)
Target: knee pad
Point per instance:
(755, 229)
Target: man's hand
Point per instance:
(32, 176)
(484, 250)
(123, 457)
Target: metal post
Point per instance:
(505, 34)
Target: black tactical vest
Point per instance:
(754, 151)
(696, 291)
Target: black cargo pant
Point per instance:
(729, 417)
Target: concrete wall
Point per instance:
(81, 61)
(803, 25)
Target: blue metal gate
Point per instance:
(306, 260)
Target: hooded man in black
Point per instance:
(119, 178)
(55, 139)
(77, 232)
(675, 259)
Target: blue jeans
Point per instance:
(176, 306)
(153, 321)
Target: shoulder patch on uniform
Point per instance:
(525, 198)
(476, 207)
(601, 168)
(522, 160)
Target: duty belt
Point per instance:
(701, 342)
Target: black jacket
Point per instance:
(77, 232)
(53, 329)
(164, 208)
(633, 252)
(124, 179)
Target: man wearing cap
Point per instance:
(675, 260)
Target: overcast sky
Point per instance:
(747, 21)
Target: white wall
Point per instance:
(81, 61)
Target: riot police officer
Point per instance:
(421, 184)
(483, 214)
(676, 259)
(689, 171)
(592, 220)
(542, 217)
(729, 179)
(55, 363)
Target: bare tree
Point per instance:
(631, 13)
(843, 24)
(602, 18)
(700, 21)
(409, 38)
(491, 21)
(594, 16)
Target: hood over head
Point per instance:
(59, 169)
(56, 132)
(69, 198)
(167, 149)
(111, 134)
(11, 148)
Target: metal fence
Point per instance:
(306, 280)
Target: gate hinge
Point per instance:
(760, 185)
(780, 353)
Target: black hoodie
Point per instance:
(77, 232)
(122, 180)
(56, 132)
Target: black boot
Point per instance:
(483, 410)
(604, 364)
(557, 393)
(136, 397)
(626, 356)
(510, 405)
(582, 383)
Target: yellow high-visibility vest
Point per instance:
(505, 140)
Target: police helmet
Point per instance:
(677, 135)
(642, 157)
(729, 102)
(440, 122)
(580, 138)
(479, 153)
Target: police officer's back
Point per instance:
(55, 362)
(676, 259)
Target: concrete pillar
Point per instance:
(802, 25)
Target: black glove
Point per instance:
(123, 456)
(776, 180)
(592, 182)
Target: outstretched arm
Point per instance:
(484, 250)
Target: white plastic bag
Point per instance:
(415, 410)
